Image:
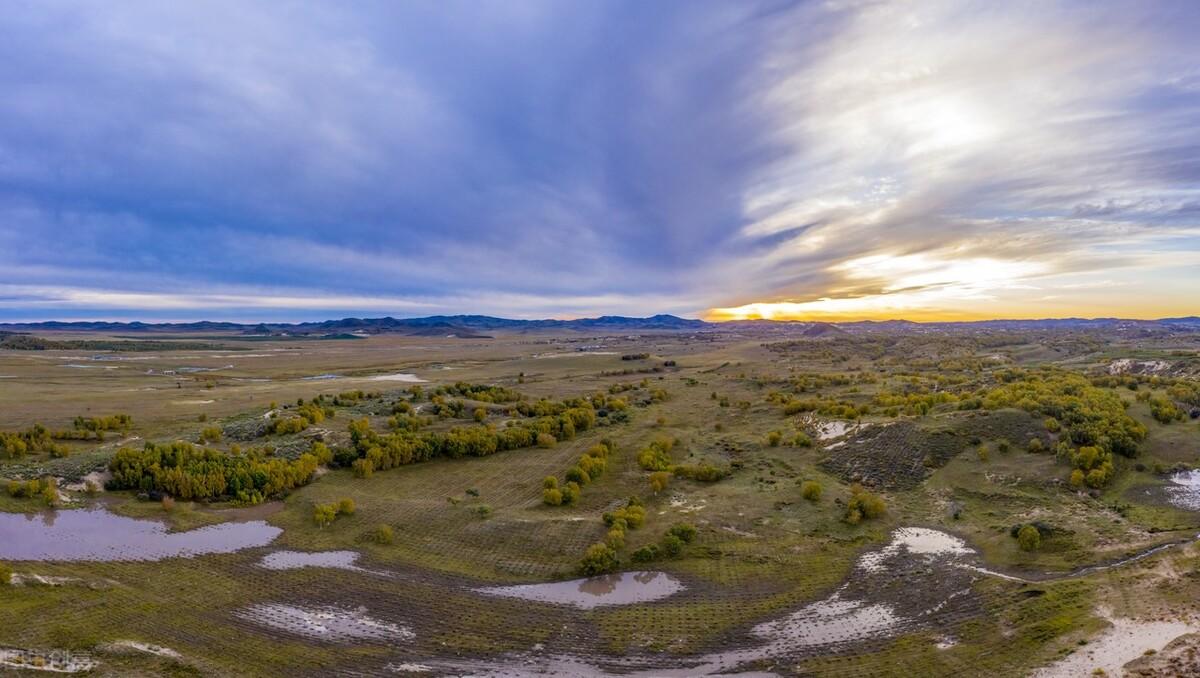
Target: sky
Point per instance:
(834, 160)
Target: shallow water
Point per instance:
(612, 589)
(409, 378)
(96, 534)
(295, 560)
(332, 623)
(1184, 490)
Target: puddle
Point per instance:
(146, 648)
(295, 560)
(625, 588)
(917, 541)
(98, 535)
(1184, 490)
(833, 429)
(1125, 641)
(410, 378)
(54, 661)
(321, 377)
(332, 623)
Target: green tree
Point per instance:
(600, 558)
(1029, 538)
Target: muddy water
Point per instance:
(614, 589)
(922, 580)
(1184, 490)
(295, 560)
(332, 623)
(96, 534)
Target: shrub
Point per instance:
(774, 438)
(801, 439)
(615, 539)
(345, 507)
(324, 514)
(659, 481)
(382, 535)
(210, 434)
(552, 496)
(657, 455)
(672, 545)
(545, 440)
(600, 558)
(1029, 538)
(168, 504)
(578, 475)
(550, 483)
(863, 504)
(483, 511)
(811, 490)
(646, 554)
(5, 574)
(570, 493)
(684, 531)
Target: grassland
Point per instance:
(762, 550)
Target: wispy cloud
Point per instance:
(841, 159)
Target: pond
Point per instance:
(612, 589)
(1184, 490)
(96, 534)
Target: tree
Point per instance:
(346, 507)
(552, 496)
(811, 490)
(324, 514)
(480, 414)
(600, 558)
(659, 481)
(1029, 538)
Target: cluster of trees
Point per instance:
(670, 546)
(84, 428)
(656, 456)
(1162, 407)
(188, 472)
(372, 451)
(830, 407)
(863, 505)
(325, 514)
(36, 488)
(481, 392)
(1093, 420)
(589, 467)
(604, 557)
(36, 439)
(1091, 466)
(305, 415)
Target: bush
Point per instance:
(545, 440)
(5, 574)
(659, 480)
(600, 558)
(646, 554)
(552, 496)
(672, 545)
(550, 483)
(324, 514)
(811, 490)
(801, 439)
(863, 504)
(570, 493)
(774, 438)
(685, 532)
(210, 434)
(1029, 538)
(345, 507)
(382, 535)
(168, 504)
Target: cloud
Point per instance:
(585, 157)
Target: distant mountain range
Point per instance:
(476, 326)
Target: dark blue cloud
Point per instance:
(526, 158)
